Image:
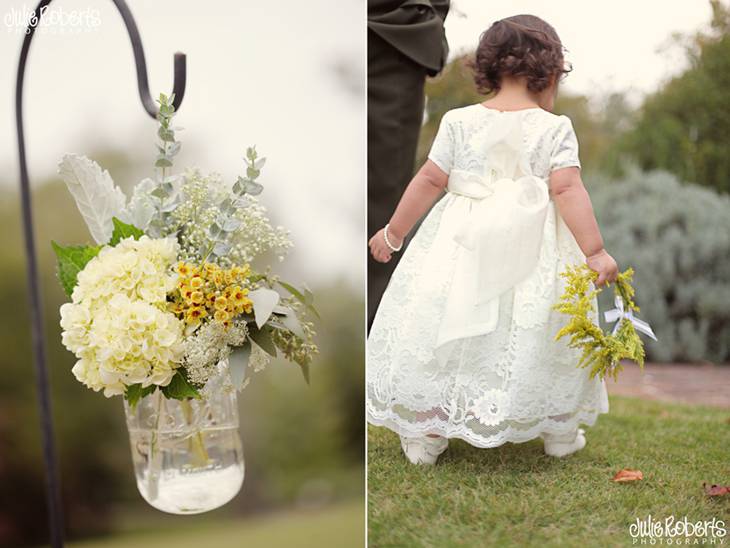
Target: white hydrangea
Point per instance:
(117, 324)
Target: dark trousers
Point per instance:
(395, 113)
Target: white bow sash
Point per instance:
(500, 237)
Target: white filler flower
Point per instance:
(118, 325)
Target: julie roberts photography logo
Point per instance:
(53, 19)
(672, 531)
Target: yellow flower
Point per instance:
(196, 282)
(183, 269)
(221, 303)
(238, 295)
(221, 316)
(197, 297)
(195, 313)
(218, 278)
(241, 272)
(209, 268)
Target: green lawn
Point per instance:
(341, 526)
(514, 495)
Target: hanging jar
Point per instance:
(187, 454)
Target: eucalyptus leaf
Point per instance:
(262, 337)
(238, 363)
(214, 230)
(292, 324)
(253, 188)
(305, 297)
(264, 300)
(230, 224)
(221, 248)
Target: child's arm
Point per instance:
(423, 190)
(574, 205)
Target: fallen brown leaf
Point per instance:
(716, 490)
(627, 474)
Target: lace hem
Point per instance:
(510, 434)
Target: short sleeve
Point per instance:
(442, 149)
(565, 146)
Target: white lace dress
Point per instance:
(511, 381)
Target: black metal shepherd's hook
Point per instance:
(55, 511)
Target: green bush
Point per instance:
(677, 238)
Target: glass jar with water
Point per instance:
(187, 454)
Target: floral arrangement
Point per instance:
(168, 295)
(602, 352)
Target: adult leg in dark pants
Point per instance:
(395, 113)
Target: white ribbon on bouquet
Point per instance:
(619, 314)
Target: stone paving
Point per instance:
(703, 383)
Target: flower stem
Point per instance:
(197, 444)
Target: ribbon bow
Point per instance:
(505, 226)
(618, 314)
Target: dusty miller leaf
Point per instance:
(96, 195)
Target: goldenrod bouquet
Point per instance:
(602, 352)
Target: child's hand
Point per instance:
(379, 249)
(605, 265)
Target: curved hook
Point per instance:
(178, 86)
(55, 510)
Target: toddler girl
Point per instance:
(462, 345)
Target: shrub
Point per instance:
(677, 238)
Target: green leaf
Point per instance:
(253, 188)
(306, 297)
(162, 161)
(166, 135)
(180, 388)
(135, 392)
(305, 371)
(71, 261)
(262, 337)
(238, 362)
(123, 230)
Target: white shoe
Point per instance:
(425, 450)
(562, 445)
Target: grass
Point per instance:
(339, 526)
(514, 495)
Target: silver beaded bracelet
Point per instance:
(387, 241)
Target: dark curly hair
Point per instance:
(521, 45)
